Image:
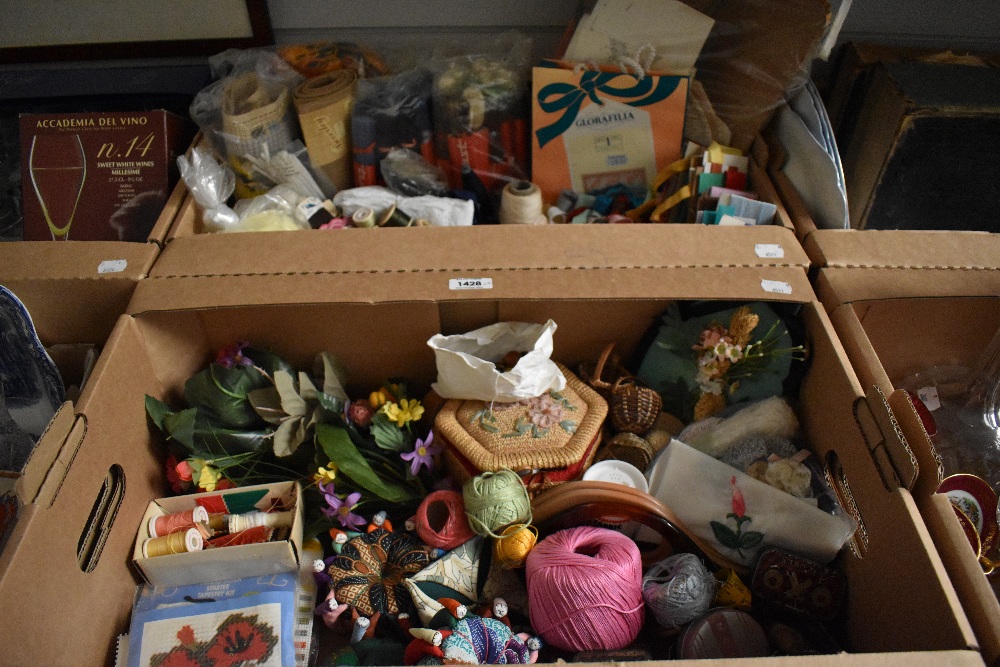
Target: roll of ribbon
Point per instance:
(324, 105)
(521, 204)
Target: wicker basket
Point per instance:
(548, 440)
(634, 408)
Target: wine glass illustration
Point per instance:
(58, 168)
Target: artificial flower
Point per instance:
(233, 356)
(176, 482)
(225, 483)
(404, 412)
(184, 471)
(711, 336)
(209, 478)
(359, 413)
(422, 455)
(341, 509)
(327, 475)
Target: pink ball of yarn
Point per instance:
(585, 589)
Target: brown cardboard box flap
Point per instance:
(838, 286)
(750, 283)
(924, 249)
(499, 246)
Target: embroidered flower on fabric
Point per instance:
(544, 412)
(241, 640)
(738, 539)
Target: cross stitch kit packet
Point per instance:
(167, 338)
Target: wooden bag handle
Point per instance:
(581, 502)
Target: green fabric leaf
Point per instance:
(180, 427)
(337, 446)
(268, 361)
(331, 403)
(307, 390)
(267, 403)
(220, 394)
(289, 436)
(334, 375)
(725, 535)
(157, 410)
(291, 402)
(214, 440)
(387, 434)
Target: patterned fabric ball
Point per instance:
(484, 641)
(369, 572)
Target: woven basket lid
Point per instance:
(554, 430)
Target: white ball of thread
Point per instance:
(678, 589)
(521, 204)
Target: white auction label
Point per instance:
(776, 286)
(769, 250)
(112, 266)
(929, 397)
(470, 283)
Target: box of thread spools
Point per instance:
(365, 336)
(227, 534)
(927, 339)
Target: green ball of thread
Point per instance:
(494, 500)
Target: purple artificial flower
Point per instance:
(232, 355)
(422, 455)
(341, 509)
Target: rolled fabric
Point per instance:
(324, 104)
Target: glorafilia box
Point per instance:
(98, 176)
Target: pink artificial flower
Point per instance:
(711, 336)
(422, 455)
(176, 481)
(184, 471)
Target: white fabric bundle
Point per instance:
(738, 514)
(439, 211)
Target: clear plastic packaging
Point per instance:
(247, 112)
(211, 184)
(408, 173)
(480, 112)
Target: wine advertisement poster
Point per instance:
(98, 176)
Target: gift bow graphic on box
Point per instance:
(568, 97)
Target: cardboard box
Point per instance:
(897, 320)
(99, 176)
(377, 321)
(235, 562)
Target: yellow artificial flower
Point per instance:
(326, 475)
(209, 478)
(404, 412)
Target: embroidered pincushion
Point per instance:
(548, 439)
(370, 571)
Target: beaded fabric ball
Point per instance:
(369, 572)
